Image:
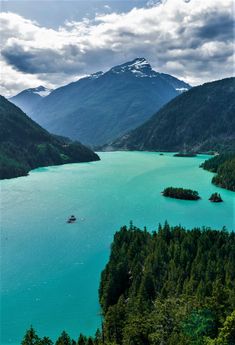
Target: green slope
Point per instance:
(172, 287)
(201, 119)
(24, 145)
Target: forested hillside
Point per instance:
(24, 145)
(199, 120)
(224, 167)
(171, 287)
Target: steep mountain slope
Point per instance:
(24, 145)
(103, 106)
(27, 99)
(201, 119)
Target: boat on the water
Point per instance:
(72, 219)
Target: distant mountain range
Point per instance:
(24, 145)
(201, 119)
(103, 106)
(27, 99)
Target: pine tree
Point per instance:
(64, 339)
(81, 340)
(31, 338)
(46, 341)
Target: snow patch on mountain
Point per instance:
(96, 75)
(40, 90)
(139, 67)
(182, 89)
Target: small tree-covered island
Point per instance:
(185, 154)
(181, 193)
(169, 287)
(215, 197)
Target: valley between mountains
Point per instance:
(166, 157)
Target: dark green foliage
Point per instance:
(90, 341)
(199, 323)
(181, 193)
(46, 341)
(24, 145)
(224, 167)
(215, 197)
(64, 339)
(216, 161)
(226, 334)
(178, 286)
(81, 340)
(199, 120)
(31, 338)
(185, 154)
(226, 175)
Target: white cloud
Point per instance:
(191, 40)
(107, 7)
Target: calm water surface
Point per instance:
(50, 270)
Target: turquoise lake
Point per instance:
(50, 270)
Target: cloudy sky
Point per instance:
(52, 43)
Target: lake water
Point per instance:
(50, 270)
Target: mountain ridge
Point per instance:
(105, 105)
(201, 119)
(29, 98)
(24, 145)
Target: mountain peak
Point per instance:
(100, 107)
(139, 66)
(138, 63)
(40, 90)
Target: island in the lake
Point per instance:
(215, 197)
(181, 193)
(185, 154)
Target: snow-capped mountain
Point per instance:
(142, 69)
(104, 105)
(40, 90)
(29, 98)
(96, 75)
(139, 67)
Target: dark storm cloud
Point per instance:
(44, 60)
(217, 27)
(191, 40)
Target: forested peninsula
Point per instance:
(170, 287)
(224, 167)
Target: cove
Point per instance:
(50, 270)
